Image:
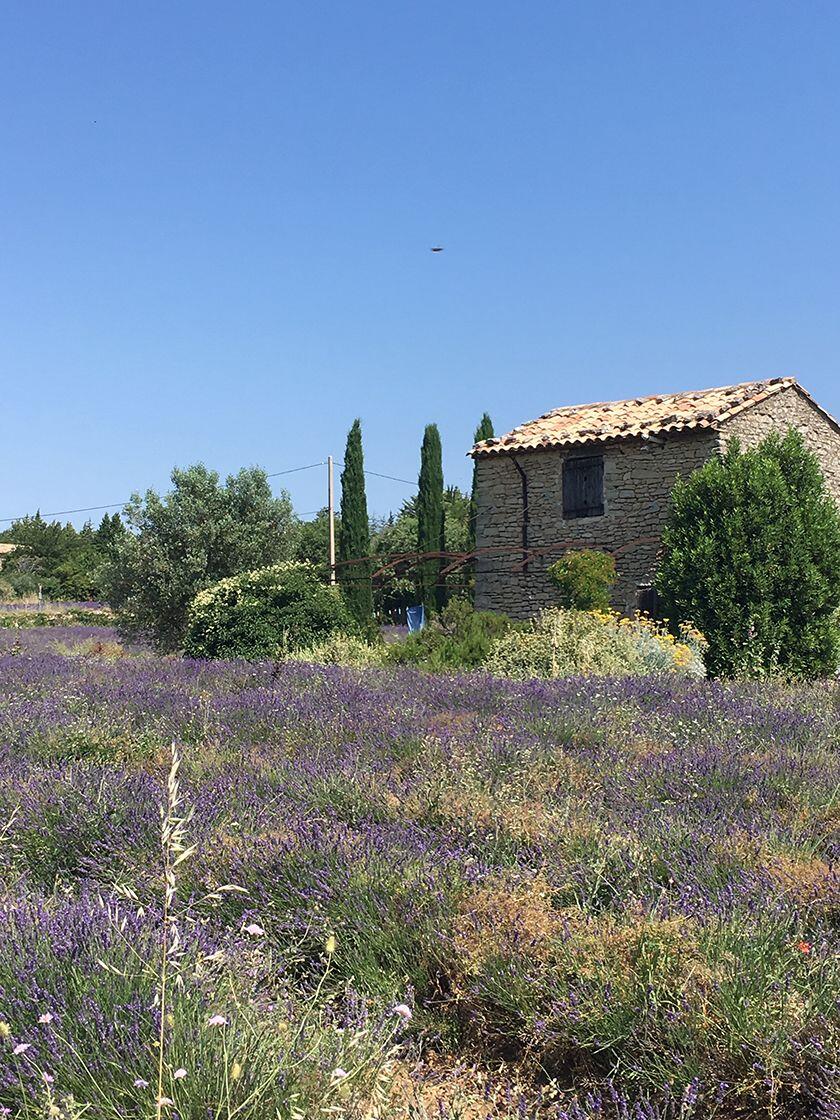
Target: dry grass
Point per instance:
(500, 918)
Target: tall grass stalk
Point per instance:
(175, 851)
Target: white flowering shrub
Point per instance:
(265, 613)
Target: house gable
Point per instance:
(793, 408)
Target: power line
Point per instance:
(64, 512)
(294, 470)
(376, 474)
(274, 474)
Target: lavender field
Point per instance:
(453, 896)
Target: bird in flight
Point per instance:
(437, 248)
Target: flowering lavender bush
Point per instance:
(619, 895)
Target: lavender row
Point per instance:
(621, 886)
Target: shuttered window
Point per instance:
(583, 487)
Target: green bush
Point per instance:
(584, 580)
(462, 638)
(265, 613)
(751, 554)
(19, 585)
(559, 643)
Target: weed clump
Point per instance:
(559, 643)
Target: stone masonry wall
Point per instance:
(638, 478)
(790, 409)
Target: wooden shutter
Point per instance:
(583, 487)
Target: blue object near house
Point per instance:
(416, 618)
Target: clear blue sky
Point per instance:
(215, 223)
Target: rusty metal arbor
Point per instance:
(458, 568)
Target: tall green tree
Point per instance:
(396, 535)
(430, 520)
(187, 540)
(78, 574)
(483, 431)
(354, 535)
(751, 555)
(109, 534)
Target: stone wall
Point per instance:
(791, 409)
(638, 478)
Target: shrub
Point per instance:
(461, 639)
(265, 613)
(584, 579)
(560, 643)
(18, 585)
(751, 554)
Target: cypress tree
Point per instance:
(483, 431)
(354, 531)
(430, 520)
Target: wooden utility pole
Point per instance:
(331, 509)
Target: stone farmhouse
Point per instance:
(600, 476)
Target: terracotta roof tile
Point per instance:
(638, 417)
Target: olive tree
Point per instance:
(190, 538)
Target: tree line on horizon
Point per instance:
(65, 563)
(57, 559)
